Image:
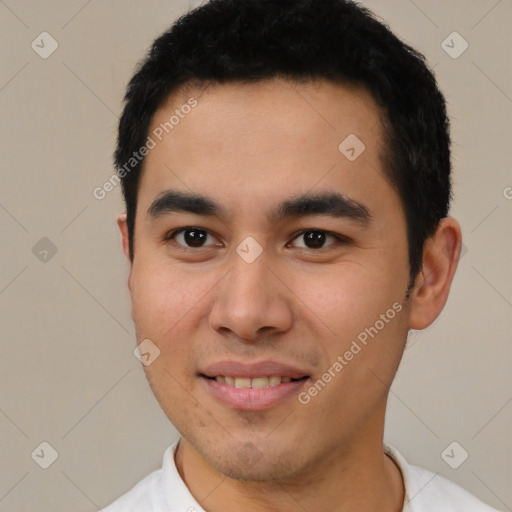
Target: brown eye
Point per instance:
(315, 239)
(190, 237)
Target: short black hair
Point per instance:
(305, 40)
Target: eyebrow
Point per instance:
(332, 204)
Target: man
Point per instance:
(286, 171)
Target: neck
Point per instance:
(360, 477)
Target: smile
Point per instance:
(253, 393)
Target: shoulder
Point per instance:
(437, 493)
(152, 493)
(160, 491)
(140, 497)
(427, 491)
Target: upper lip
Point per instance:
(253, 369)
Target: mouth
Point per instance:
(243, 394)
(252, 385)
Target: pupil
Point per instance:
(194, 237)
(314, 238)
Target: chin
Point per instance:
(252, 461)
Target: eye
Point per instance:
(316, 238)
(190, 237)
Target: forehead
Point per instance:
(264, 140)
(298, 109)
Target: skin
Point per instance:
(249, 147)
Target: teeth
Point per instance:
(259, 382)
(242, 383)
(256, 382)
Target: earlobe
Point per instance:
(440, 259)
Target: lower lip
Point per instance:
(253, 399)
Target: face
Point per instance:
(288, 276)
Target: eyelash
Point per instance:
(340, 239)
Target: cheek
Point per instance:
(162, 295)
(363, 317)
(368, 328)
(345, 298)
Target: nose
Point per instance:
(252, 301)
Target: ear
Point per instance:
(440, 259)
(123, 228)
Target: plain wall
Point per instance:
(68, 373)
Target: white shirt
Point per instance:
(165, 491)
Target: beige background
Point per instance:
(68, 373)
